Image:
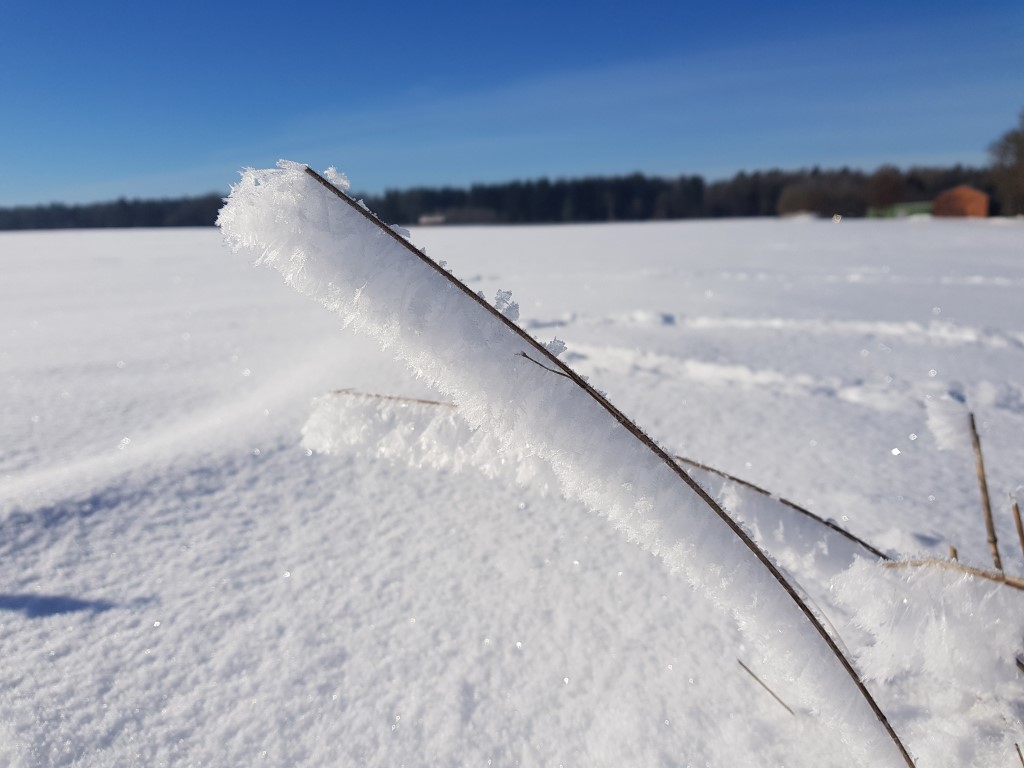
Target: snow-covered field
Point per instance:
(184, 582)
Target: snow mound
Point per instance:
(921, 633)
(425, 434)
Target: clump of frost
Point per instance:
(420, 434)
(377, 286)
(504, 304)
(804, 546)
(949, 420)
(337, 178)
(556, 346)
(432, 435)
(941, 646)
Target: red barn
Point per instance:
(961, 201)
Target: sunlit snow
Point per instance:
(188, 579)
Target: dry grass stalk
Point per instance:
(763, 685)
(979, 465)
(1019, 754)
(953, 554)
(392, 398)
(1020, 528)
(680, 459)
(786, 502)
(553, 363)
(950, 565)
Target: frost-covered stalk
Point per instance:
(504, 382)
(952, 424)
(429, 433)
(830, 524)
(1017, 522)
(986, 505)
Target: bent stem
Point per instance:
(786, 502)
(764, 685)
(830, 524)
(558, 366)
(1017, 522)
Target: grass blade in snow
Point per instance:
(431, 434)
(330, 248)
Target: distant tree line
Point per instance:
(178, 212)
(607, 198)
(600, 198)
(642, 198)
(763, 193)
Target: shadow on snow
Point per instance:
(36, 606)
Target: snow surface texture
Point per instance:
(206, 593)
(939, 647)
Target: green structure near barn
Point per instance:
(962, 200)
(901, 210)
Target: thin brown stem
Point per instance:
(949, 565)
(786, 502)
(393, 398)
(1019, 753)
(979, 465)
(739, 481)
(1020, 528)
(535, 362)
(765, 686)
(556, 364)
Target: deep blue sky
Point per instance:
(103, 99)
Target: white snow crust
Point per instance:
(183, 584)
(919, 634)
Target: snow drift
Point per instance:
(938, 643)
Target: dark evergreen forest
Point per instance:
(180, 212)
(601, 198)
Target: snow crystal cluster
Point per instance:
(419, 434)
(504, 304)
(942, 646)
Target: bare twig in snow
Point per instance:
(535, 362)
(786, 502)
(1020, 528)
(762, 684)
(979, 465)
(393, 398)
(949, 565)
